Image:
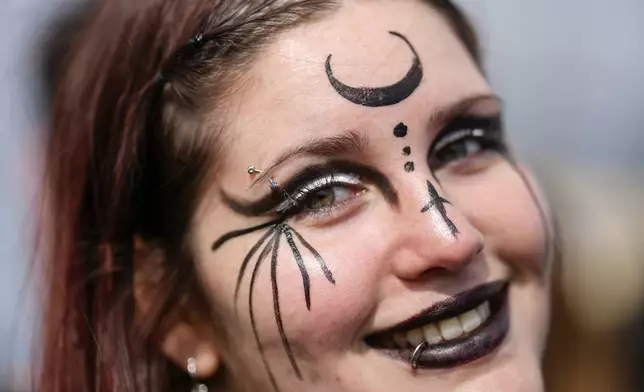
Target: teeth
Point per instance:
(401, 340)
(443, 330)
(415, 337)
(484, 311)
(470, 320)
(432, 334)
(450, 328)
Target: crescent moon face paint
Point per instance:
(381, 96)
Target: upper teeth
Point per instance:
(445, 329)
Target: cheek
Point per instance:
(500, 204)
(337, 310)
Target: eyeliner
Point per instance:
(304, 177)
(490, 123)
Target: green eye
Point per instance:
(321, 199)
(327, 198)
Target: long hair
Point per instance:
(127, 156)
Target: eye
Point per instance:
(328, 198)
(464, 144)
(324, 198)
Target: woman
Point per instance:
(296, 195)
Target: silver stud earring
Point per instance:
(192, 370)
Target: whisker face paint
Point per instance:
(271, 242)
(380, 96)
(410, 167)
(300, 263)
(406, 151)
(253, 278)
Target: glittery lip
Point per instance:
(481, 342)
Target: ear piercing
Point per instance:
(192, 370)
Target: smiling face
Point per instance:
(379, 226)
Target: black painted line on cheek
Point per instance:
(238, 233)
(276, 306)
(242, 269)
(306, 282)
(318, 257)
(260, 259)
(548, 236)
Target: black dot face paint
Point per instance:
(438, 202)
(380, 96)
(400, 130)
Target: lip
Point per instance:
(480, 342)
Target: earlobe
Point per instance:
(183, 342)
(187, 335)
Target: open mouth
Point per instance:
(458, 330)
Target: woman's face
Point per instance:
(396, 216)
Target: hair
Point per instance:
(130, 146)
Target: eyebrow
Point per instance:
(443, 116)
(350, 142)
(353, 142)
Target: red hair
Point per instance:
(127, 157)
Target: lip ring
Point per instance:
(416, 355)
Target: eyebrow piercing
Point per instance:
(253, 170)
(413, 361)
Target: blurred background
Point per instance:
(570, 74)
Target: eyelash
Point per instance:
(295, 203)
(488, 136)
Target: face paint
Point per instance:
(438, 202)
(548, 234)
(487, 132)
(273, 235)
(406, 151)
(272, 247)
(400, 130)
(380, 96)
(409, 167)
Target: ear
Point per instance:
(183, 342)
(187, 335)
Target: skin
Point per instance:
(389, 261)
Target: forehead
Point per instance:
(287, 98)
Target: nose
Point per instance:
(436, 237)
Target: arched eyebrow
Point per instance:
(347, 143)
